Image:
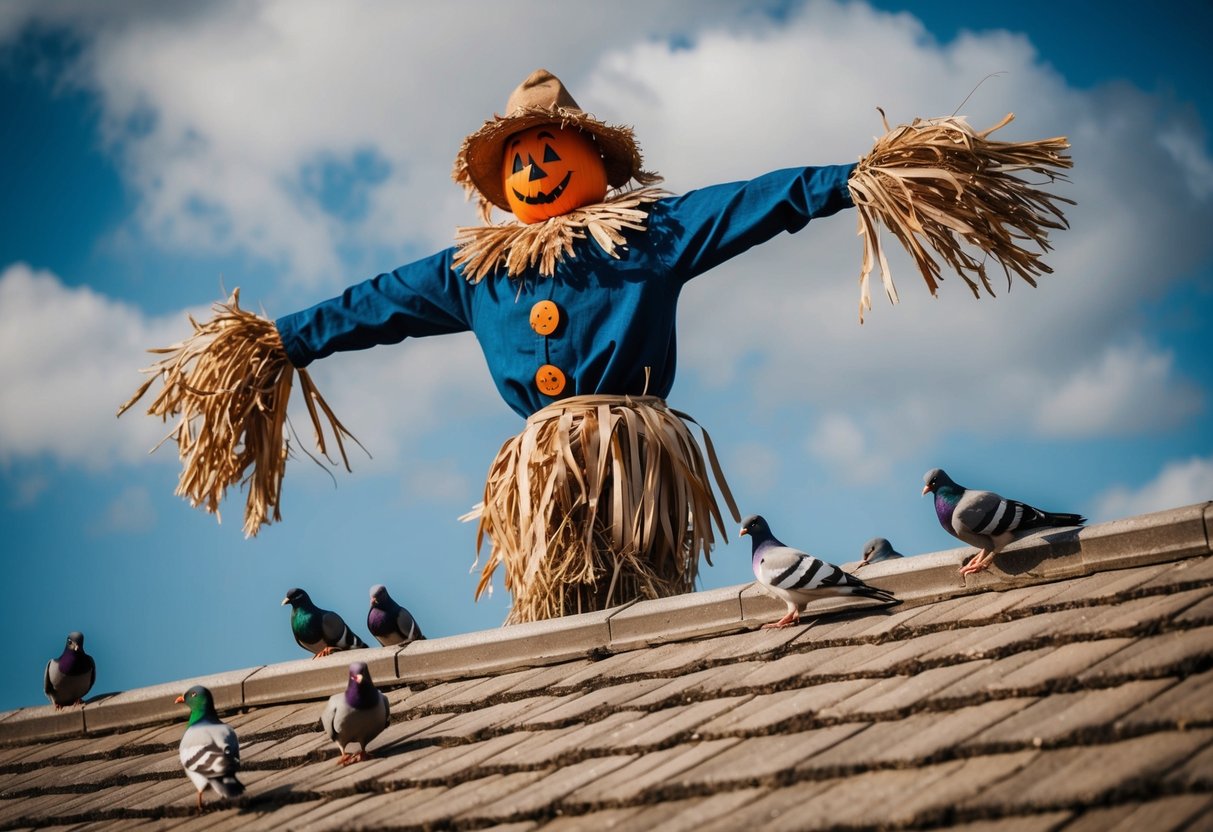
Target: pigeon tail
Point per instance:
(1052, 519)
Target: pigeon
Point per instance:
(210, 752)
(984, 519)
(68, 678)
(389, 622)
(318, 631)
(798, 577)
(356, 715)
(876, 550)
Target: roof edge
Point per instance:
(1169, 535)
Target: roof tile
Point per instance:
(1084, 775)
(651, 770)
(1063, 714)
(1162, 815)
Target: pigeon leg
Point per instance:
(326, 651)
(979, 562)
(792, 617)
(199, 802)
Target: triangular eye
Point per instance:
(517, 163)
(549, 155)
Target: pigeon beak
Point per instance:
(743, 533)
(925, 489)
(180, 700)
(285, 601)
(358, 678)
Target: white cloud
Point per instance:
(68, 358)
(1177, 484)
(1129, 389)
(840, 443)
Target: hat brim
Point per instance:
(478, 164)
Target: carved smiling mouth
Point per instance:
(544, 199)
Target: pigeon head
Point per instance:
(935, 480)
(75, 642)
(296, 597)
(756, 526)
(360, 692)
(200, 702)
(875, 546)
(379, 596)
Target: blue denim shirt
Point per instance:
(617, 315)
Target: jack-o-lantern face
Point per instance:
(549, 171)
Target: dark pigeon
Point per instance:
(986, 520)
(356, 715)
(70, 677)
(318, 631)
(389, 622)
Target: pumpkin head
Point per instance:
(549, 171)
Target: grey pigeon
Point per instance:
(389, 622)
(210, 752)
(984, 519)
(356, 715)
(876, 550)
(318, 631)
(797, 577)
(68, 678)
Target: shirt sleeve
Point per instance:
(711, 225)
(426, 297)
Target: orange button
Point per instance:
(549, 380)
(545, 317)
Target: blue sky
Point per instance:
(158, 155)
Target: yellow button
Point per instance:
(549, 380)
(545, 317)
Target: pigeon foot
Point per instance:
(787, 621)
(979, 563)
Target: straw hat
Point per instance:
(542, 99)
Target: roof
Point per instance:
(1071, 687)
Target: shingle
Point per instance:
(1191, 700)
(457, 800)
(651, 769)
(616, 820)
(1163, 815)
(553, 786)
(544, 747)
(660, 726)
(1156, 654)
(1139, 611)
(439, 762)
(1065, 662)
(1044, 822)
(769, 711)
(1081, 775)
(917, 737)
(1184, 571)
(728, 679)
(688, 815)
(1065, 713)
(896, 693)
(1196, 772)
(575, 705)
(759, 757)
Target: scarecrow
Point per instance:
(605, 495)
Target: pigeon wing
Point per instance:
(791, 569)
(986, 514)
